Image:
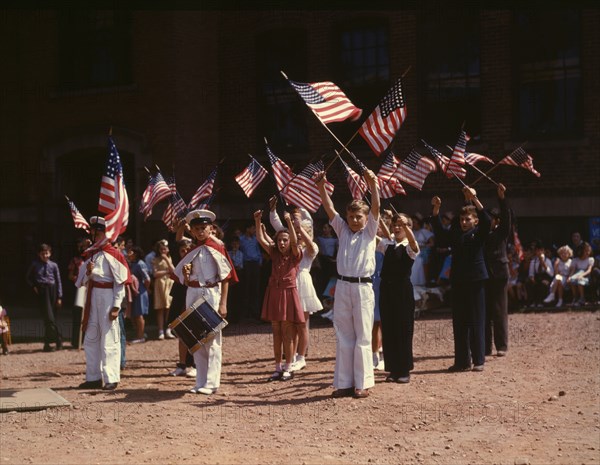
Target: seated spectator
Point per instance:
(562, 266)
(518, 270)
(579, 275)
(541, 273)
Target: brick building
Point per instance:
(184, 89)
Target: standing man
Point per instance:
(105, 273)
(44, 278)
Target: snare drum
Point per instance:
(198, 325)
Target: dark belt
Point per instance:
(197, 284)
(352, 279)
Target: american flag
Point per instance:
(381, 126)
(251, 177)
(78, 220)
(458, 154)
(356, 184)
(205, 190)
(156, 191)
(302, 190)
(281, 172)
(471, 158)
(415, 168)
(444, 163)
(113, 195)
(520, 158)
(327, 101)
(176, 209)
(389, 185)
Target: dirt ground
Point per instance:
(538, 405)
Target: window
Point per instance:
(282, 114)
(547, 54)
(450, 75)
(95, 49)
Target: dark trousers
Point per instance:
(76, 327)
(251, 289)
(123, 335)
(496, 314)
(468, 322)
(397, 310)
(47, 306)
(235, 298)
(537, 290)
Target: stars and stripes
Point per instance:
(444, 162)
(302, 190)
(281, 172)
(387, 178)
(380, 128)
(79, 220)
(415, 168)
(113, 195)
(471, 158)
(205, 190)
(176, 209)
(156, 191)
(356, 184)
(327, 101)
(251, 177)
(458, 154)
(520, 158)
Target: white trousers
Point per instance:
(353, 309)
(102, 343)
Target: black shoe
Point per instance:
(48, 348)
(91, 385)
(456, 369)
(344, 392)
(110, 386)
(59, 345)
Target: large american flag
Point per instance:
(251, 177)
(327, 101)
(415, 168)
(387, 178)
(281, 172)
(471, 158)
(205, 190)
(356, 184)
(78, 220)
(302, 190)
(113, 199)
(156, 190)
(444, 162)
(381, 126)
(520, 158)
(176, 209)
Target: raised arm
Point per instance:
(409, 235)
(273, 216)
(260, 234)
(293, 237)
(320, 180)
(371, 180)
(308, 241)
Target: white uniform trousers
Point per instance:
(353, 310)
(102, 341)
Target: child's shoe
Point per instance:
(559, 303)
(161, 335)
(550, 298)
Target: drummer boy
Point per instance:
(206, 271)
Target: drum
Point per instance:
(198, 325)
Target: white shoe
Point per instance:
(194, 390)
(206, 391)
(298, 365)
(191, 373)
(169, 334)
(328, 315)
(550, 298)
(559, 303)
(161, 335)
(137, 341)
(178, 372)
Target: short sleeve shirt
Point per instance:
(356, 252)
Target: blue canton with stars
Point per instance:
(308, 93)
(392, 100)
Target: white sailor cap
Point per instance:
(98, 222)
(200, 217)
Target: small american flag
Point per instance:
(302, 190)
(251, 177)
(356, 184)
(176, 209)
(205, 190)
(156, 191)
(78, 220)
(520, 158)
(471, 158)
(281, 172)
(415, 168)
(113, 195)
(380, 128)
(389, 185)
(444, 163)
(327, 101)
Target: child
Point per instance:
(581, 267)
(306, 290)
(235, 294)
(562, 266)
(141, 302)
(281, 305)
(162, 267)
(354, 299)
(206, 271)
(397, 301)
(541, 273)
(44, 278)
(467, 277)
(4, 330)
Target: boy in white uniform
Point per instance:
(354, 301)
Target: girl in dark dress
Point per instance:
(396, 301)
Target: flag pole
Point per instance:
(448, 167)
(496, 165)
(479, 171)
